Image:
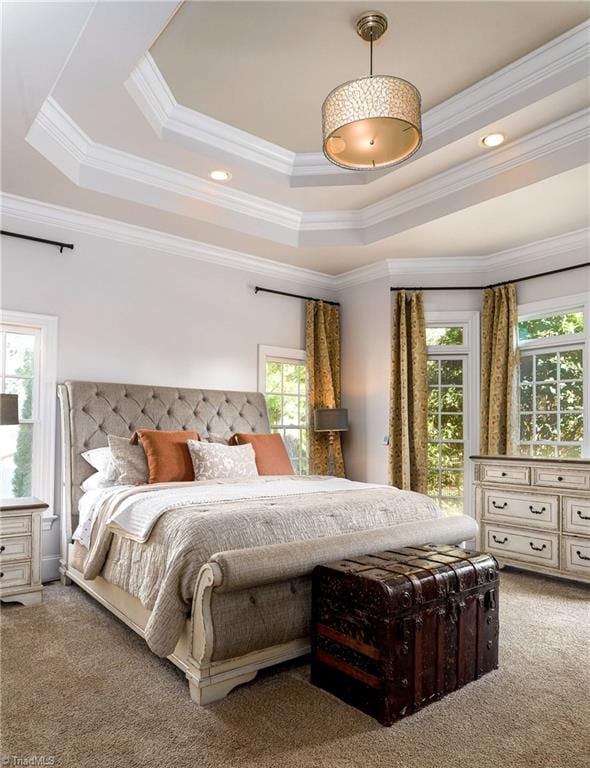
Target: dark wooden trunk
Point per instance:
(394, 631)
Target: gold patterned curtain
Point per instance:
(499, 371)
(408, 404)
(322, 347)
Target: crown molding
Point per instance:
(151, 92)
(96, 166)
(545, 141)
(566, 54)
(554, 65)
(105, 169)
(47, 214)
(171, 120)
(489, 265)
(38, 212)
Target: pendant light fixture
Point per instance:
(373, 122)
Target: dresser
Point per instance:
(535, 513)
(20, 550)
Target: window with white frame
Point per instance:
(452, 340)
(27, 369)
(553, 402)
(283, 380)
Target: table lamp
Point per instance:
(331, 420)
(8, 410)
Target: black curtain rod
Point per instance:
(494, 285)
(61, 246)
(258, 289)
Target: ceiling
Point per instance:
(267, 67)
(98, 118)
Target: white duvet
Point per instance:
(135, 510)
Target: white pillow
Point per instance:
(214, 461)
(97, 480)
(101, 459)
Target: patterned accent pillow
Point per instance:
(130, 461)
(214, 461)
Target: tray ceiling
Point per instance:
(266, 67)
(77, 135)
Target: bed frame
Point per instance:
(231, 582)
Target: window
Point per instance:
(27, 368)
(20, 364)
(553, 379)
(283, 379)
(444, 337)
(452, 407)
(566, 324)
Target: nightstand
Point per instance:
(20, 550)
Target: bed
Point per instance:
(219, 582)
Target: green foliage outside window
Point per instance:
(286, 401)
(554, 325)
(23, 466)
(444, 337)
(552, 403)
(446, 450)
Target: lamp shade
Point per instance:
(8, 410)
(331, 419)
(373, 122)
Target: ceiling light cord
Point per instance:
(371, 56)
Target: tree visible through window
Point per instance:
(446, 433)
(552, 403)
(566, 324)
(552, 385)
(18, 377)
(286, 398)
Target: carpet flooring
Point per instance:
(81, 689)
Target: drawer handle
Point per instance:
(1, 574)
(537, 549)
(578, 513)
(498, 541)
(537, 511)
(504, 474)
(2, 548)
(499, 506)
(560, 479)
(581, 556)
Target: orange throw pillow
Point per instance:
(167, 454)
(270, 453)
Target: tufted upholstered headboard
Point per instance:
(92, 410)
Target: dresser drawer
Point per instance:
(561, 477)
(511, 474)
(576, 555)
(576, 515)
(15, 575)
(519, 544)
(540, 511)
(15, 548)
(15, 524)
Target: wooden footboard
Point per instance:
(208, 681)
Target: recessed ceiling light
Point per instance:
(493, 140)
(220, 175)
